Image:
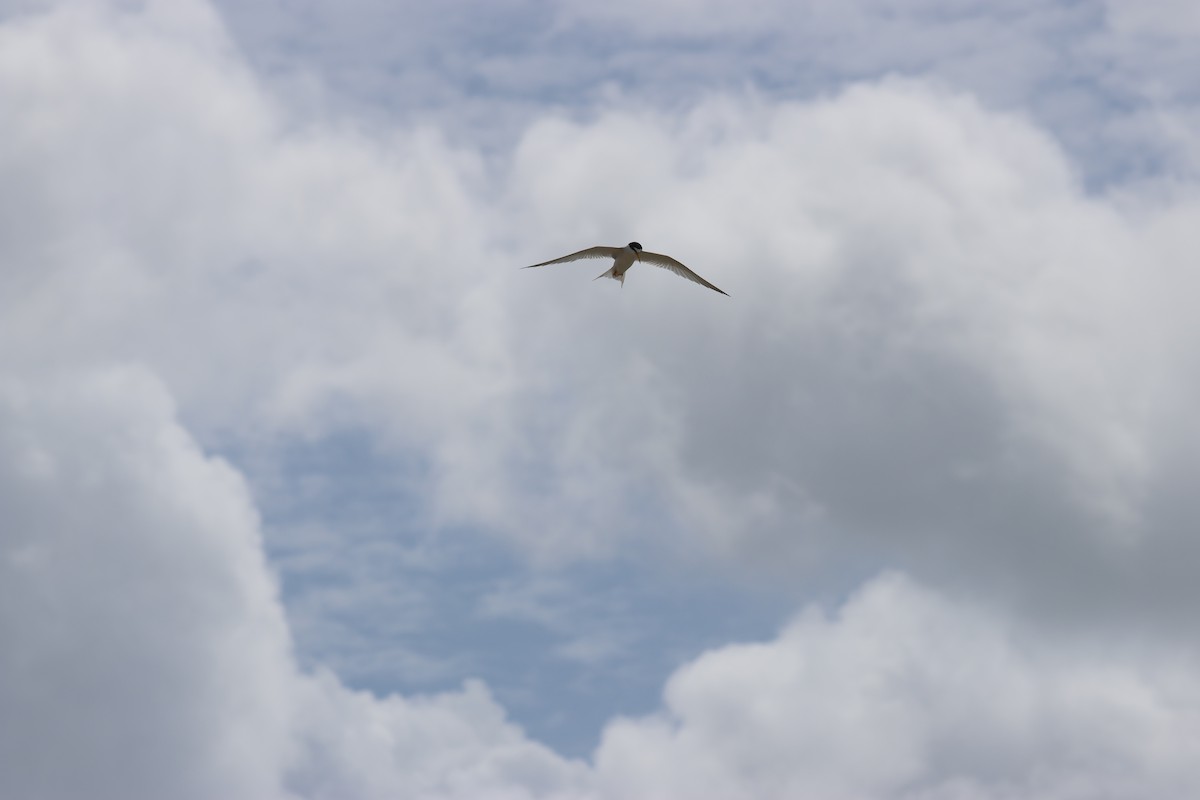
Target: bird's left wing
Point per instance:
(666, 262)
(592, 252)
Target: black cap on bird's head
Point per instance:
(635, 247)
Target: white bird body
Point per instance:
(624, 258)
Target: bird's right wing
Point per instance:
(592, 252)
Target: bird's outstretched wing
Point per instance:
(591, 252)
(666, 262)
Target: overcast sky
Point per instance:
(307, 491)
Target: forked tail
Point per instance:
(611, 273)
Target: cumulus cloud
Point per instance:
(903, 694)
(1111, 80)
(1161, 18)
(145, 650)
(146, 654)
(940, 347)
(269, 256)
(943, 354)
(917, 280)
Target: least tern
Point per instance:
(623, 258)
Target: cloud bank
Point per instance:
(147, 655)
(950, 389)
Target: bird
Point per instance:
(624, 258)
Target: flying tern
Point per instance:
(624, 258)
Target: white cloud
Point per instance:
(916, 280)
(941, 353)
(1160, 18)
(1098, 75)
(907, 694)
(939, 346)
(268, 272)
(146, 655)
(145, 651)
(450, 746)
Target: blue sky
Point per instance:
(307, 491)
(396, 605)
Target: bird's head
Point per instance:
(636, 248)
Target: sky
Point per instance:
(307, 491)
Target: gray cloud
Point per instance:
(1112, 81)
(942, 354)
(905, 695)
(939, 345)
(146, 655)
(940, 350)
